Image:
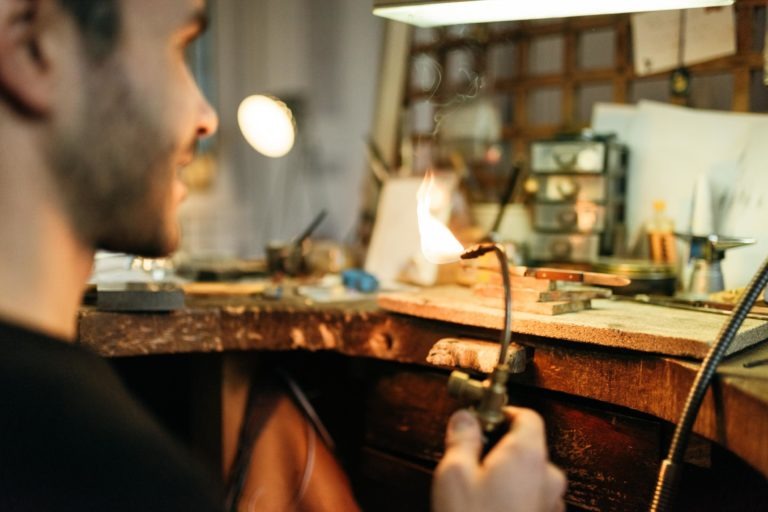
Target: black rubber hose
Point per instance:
(671, 467)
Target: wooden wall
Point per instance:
(544, 76)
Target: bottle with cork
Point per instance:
(660, 233)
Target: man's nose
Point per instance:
(208, 121)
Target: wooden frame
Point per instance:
(519, 88)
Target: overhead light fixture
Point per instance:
(267, 124)
(426, 13)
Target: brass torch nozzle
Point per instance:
(487, 397)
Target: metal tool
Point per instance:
(715, 308)
(574, 276)
(490, 395)
(558, 274)
(514, 172)
(139, 296)
(379, 166)
(289, 258)
(706, 254)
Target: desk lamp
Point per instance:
(267, 124)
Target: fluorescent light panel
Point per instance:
(438, 13)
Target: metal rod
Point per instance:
(311, 228)
(506, 334)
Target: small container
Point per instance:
(660, 230)
(285, 258)
(647, 277)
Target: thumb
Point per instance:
(463, 437)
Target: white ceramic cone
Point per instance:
(702, 216)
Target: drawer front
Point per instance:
(570, 188)
(579, 217)
(582, 248)
(568, 156)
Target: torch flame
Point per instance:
(437, 242)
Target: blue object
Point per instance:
(360, 280)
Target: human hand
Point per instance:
(516, 475)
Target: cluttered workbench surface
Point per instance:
(612, 323)
(646, 382)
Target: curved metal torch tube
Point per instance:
(506, 334)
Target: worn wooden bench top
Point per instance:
(650, 383)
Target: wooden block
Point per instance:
(550, 308)
(476, 355)
(530, 283)
(528, 295)
(539, 308)
(470, 276)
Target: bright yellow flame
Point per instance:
(437, 242)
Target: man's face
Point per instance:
(134, 125)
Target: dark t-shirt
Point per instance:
(73, 439)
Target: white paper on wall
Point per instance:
(709, 34)
(613, 118)
(672, 147)
(655, 38)
(745, 210)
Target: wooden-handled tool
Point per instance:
(574, 276)
(560, 274)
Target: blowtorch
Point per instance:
(487, 398)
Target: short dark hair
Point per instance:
(99, 22)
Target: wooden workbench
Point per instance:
(607, 409)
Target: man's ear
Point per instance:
(25, 78)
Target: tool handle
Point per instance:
(311, 228)
(514, 172)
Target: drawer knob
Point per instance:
(567, 218)
(560, 248)
(568, 189)
(566, 162)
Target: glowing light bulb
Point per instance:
(267, 124)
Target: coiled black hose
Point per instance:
(669, 474)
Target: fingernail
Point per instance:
(462, 421)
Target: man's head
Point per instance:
(98, 22)
(117, 111)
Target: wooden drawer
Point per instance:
(565, 247)
(571, 187)
(578, 156)
(582, 217)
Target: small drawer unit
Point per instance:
(578, 186)
(580, 217)
(582, 156)
(565, 247)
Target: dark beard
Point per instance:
(113, 173)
